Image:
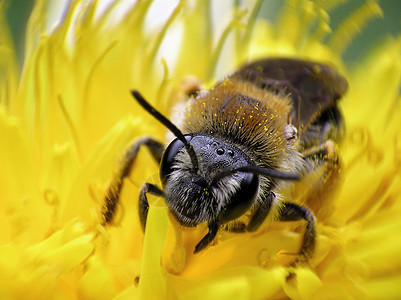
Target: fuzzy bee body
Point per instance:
(253, 121)
(238, 144)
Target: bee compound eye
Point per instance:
(243, 198)
(169, 156)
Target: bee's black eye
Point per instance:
(169, 155)
(220, 151)
(243, 198)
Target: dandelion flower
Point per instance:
(68, 117)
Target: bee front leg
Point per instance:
(262, 212)
(112, 195)
(143, 201)
(213, 229)
(294, 212)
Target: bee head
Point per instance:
(194, 196)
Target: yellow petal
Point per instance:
(97, 283)
(152, 283)
(303, 284)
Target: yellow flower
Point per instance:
(67, 119)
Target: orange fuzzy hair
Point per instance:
(245, 115)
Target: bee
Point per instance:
(239, 144)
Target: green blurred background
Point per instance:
(377, 29)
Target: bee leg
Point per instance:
(236, 227)
(262, 212)
(213, 229)
(143, 201)
(294, 212)
(112, 195)
(191, 86)
(326, 149)
(156, 149)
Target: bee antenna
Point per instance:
(166, 122)
(258, 171)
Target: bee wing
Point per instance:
(313, 87)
